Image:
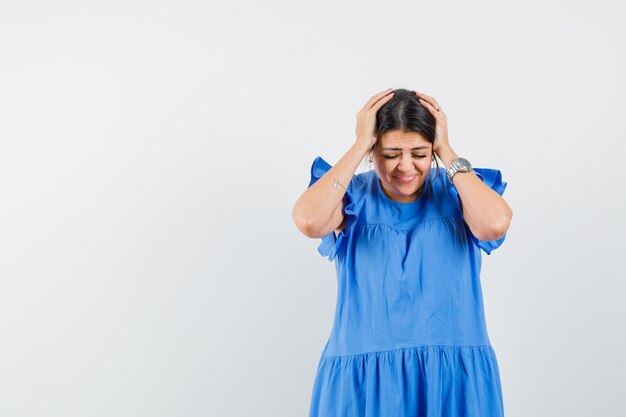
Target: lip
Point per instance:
(406, 178)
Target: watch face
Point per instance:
(464, 164)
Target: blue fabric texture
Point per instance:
(409, 336)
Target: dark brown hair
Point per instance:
(405, 112)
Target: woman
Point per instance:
(409, 336)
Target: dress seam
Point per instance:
(357, 224)
(404, 348)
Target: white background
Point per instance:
(151, 153)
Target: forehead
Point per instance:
(398, 140)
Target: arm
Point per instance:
(485, 211)
(319, 210)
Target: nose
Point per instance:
(406, 163)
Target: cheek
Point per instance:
(424, 164)
(389, 165)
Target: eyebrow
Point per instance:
(388, 148)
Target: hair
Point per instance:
(405, 112)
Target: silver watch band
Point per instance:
(458, 165)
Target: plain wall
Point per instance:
(151, 154)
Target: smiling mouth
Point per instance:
(406, 178)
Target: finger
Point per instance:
(382, 101)
(428, 98)
(376, 97)
(425, 96)
(429, 106)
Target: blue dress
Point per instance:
(409, 337)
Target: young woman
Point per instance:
(409, 336)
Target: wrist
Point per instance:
(362, 146)
(447, 155)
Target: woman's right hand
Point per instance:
(366, 117)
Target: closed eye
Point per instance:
(391, 157)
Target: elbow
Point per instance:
(497, 229)
(497, 234)
(303, 224)
(506, 222)
(500, 228)
(299, 221)
(494, 233)
(307, 229)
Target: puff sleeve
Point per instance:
(331, 245)
(492, 178)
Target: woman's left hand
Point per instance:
(441, 127)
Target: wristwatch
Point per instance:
(458, 165)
